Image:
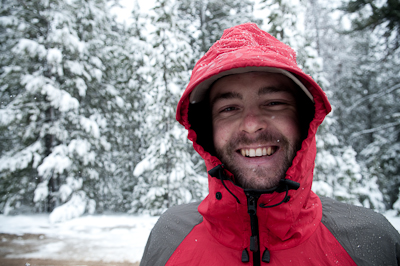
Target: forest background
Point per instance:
(87, 108)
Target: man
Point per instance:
(252, 114)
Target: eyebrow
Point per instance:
(273, 89)
(262, 91)
(227, 95)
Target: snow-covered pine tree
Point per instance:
(368, 15)
(307, 27)
(57, 102)
(211, 17)
(339, 175)
(166, 175)
(127, 71)
(372, 125)
(29, 98)
(287, 21)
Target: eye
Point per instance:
(274, 103)
(228, 109)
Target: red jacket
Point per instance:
(299, 231)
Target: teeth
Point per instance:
(252, 153)
(257, 152)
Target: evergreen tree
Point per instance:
(131, 80)
(210, 18)
(339, 175)
(60, 103)
(307, 27)
(166, 175)
(287, 21)
(369, 15)
(369, 108)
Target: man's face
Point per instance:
(255, 126)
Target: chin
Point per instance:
(259, 179)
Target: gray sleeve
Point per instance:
(367, 236)
(170, 230)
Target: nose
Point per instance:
(253, 121)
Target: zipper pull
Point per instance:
(254, 243)
(245, 256)
(252, 205)
(266, 257)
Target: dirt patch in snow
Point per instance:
(22, 250)
(39, 262)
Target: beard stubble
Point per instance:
(258, 177)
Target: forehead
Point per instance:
(253, 82)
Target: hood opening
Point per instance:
(200, 91)
(199, 115)
(305, 111)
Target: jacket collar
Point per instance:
(282, 226)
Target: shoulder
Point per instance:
(347, 213)
(170, 230)
(185, 213)
(366, 235)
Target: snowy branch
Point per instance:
(372, 96)
(371, 130)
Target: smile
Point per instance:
(258, 152)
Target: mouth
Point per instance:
(258, 152)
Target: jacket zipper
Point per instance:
(254, 239)
(252, 198)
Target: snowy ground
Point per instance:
(107, 238)
(391, 216)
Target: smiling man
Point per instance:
(252, 114)
(255, 125)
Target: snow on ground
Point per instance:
(393, 219)
(108, 238)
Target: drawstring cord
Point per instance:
(219, 170)
(285, 199)
(284, 185)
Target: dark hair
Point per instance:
(305, 111)
(200, 120)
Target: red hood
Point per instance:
(248, 46)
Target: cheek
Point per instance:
(289, 126)
(221, 134)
